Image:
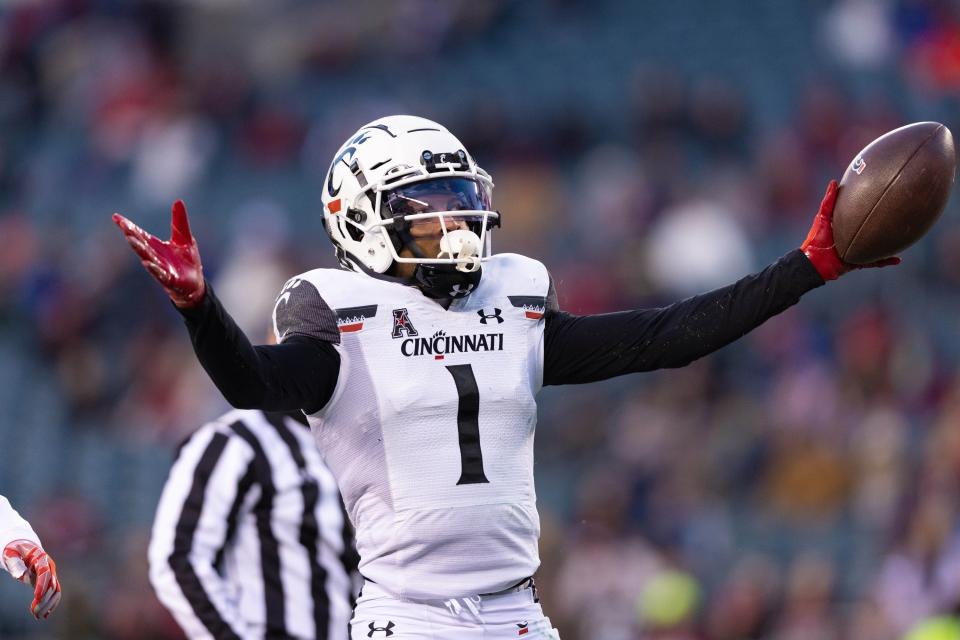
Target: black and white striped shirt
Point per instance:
(250, 539)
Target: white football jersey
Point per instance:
(429, 431)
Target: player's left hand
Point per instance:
(820, 248)
(174, 263)
(29, 563)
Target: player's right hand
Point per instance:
(820, 248)
(29, 563)
(174, 263)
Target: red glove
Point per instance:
(29, 563)
(174, 263)
(820, 248)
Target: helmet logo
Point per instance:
(344, 155)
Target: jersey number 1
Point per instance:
(468, 428)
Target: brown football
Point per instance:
(893, 192)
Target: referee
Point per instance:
(250, 538)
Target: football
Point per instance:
(893, 192)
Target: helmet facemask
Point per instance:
(455, 211)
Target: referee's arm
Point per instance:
(198, 508)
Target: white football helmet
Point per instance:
(392, 173)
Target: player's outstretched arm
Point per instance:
(588, 348)
(25, 560)
(820, 248)
(299, 374)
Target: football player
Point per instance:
(25, 559)
(419, 362)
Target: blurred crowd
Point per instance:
(803, 483)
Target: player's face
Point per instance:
(426, 234)
(431, 228)
(442, 195)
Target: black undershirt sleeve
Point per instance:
(581, 349)
(299, 374)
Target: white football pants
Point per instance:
(515, 615)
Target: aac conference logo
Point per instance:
(402, 327)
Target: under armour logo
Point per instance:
(459, 292)
(487, 316)
(387, 630)
(401, 324)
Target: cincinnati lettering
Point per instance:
(440, 344)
